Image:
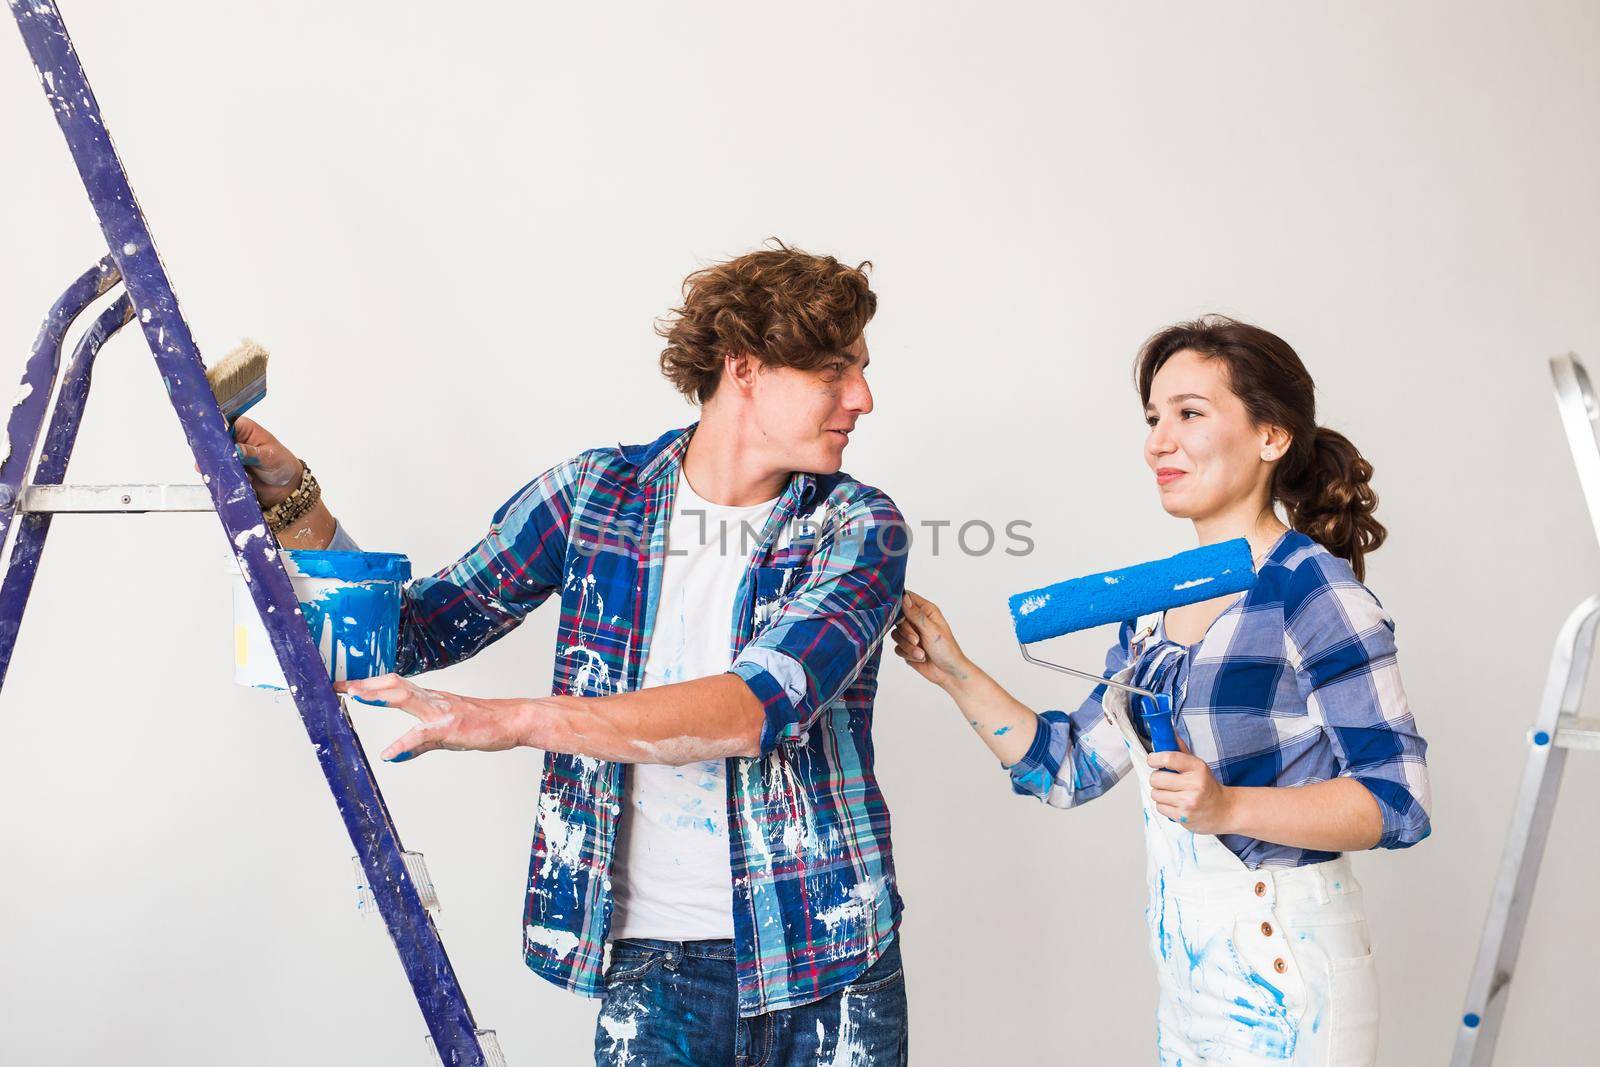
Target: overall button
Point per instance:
(1279, 966)
(1261, 889)
(1266, 929)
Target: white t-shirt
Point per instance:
(672, 878)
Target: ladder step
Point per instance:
(1573, 732)
(487, 1041)
(416, 866)
(113, 499)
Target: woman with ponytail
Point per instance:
(1298, 746)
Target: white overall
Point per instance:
(1256, 967)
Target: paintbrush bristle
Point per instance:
(240, 380)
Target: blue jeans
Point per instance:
(677, 1003)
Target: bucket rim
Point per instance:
(342, 566)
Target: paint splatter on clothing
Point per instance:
(1255, 967)
(676, 1002)
(808, 826)
(671, 877)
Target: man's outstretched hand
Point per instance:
(707, 718)
(445, 720)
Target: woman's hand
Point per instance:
(923, 639)
(274, 471)
(1185, 790)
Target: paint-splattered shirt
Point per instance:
(814, 896)
(1296, 682)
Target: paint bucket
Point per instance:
(350, 602)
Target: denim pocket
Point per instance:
(868, 1025)
(1353, 999)
(631, 963)
(887, 971)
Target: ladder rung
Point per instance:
(416, 867)
(488, 1043)
(1573, 732)
(111, 499)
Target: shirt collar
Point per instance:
(663, 458)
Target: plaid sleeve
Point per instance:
(469, 605)
(1341, 644)
(1075, 758)
(830, 625)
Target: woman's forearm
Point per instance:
(1340, 815)
(1002, 721)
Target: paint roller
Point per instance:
(1114, 596)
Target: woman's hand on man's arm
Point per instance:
(923, 638)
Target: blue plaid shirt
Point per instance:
(1296, 682)
(815, 901)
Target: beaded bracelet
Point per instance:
(294, 507)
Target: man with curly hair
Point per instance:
(708, 806)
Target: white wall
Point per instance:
(454, 234)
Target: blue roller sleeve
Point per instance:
(1157, 716)
(1082, 603)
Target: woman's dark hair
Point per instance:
(1324, 484)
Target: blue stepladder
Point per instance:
(32, 492)
(1557, 729)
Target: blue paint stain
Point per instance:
(402, 757)
(1194, 956)
(351, 566)
(364, 700)
(1162, 940)
(1002, 731)
(1274, 991)
(355, 624)
(1272, 1034)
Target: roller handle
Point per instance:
(1157, 716)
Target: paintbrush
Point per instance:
(240, 380)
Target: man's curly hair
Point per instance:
(785, 307)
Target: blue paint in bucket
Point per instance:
(351, 604)
(350, 566)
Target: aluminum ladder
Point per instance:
(31, 493)
(1557, 730)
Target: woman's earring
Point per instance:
(1269, 455)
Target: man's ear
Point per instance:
(739, 369)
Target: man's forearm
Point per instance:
(708, 718)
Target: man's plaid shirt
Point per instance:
(814, 894)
